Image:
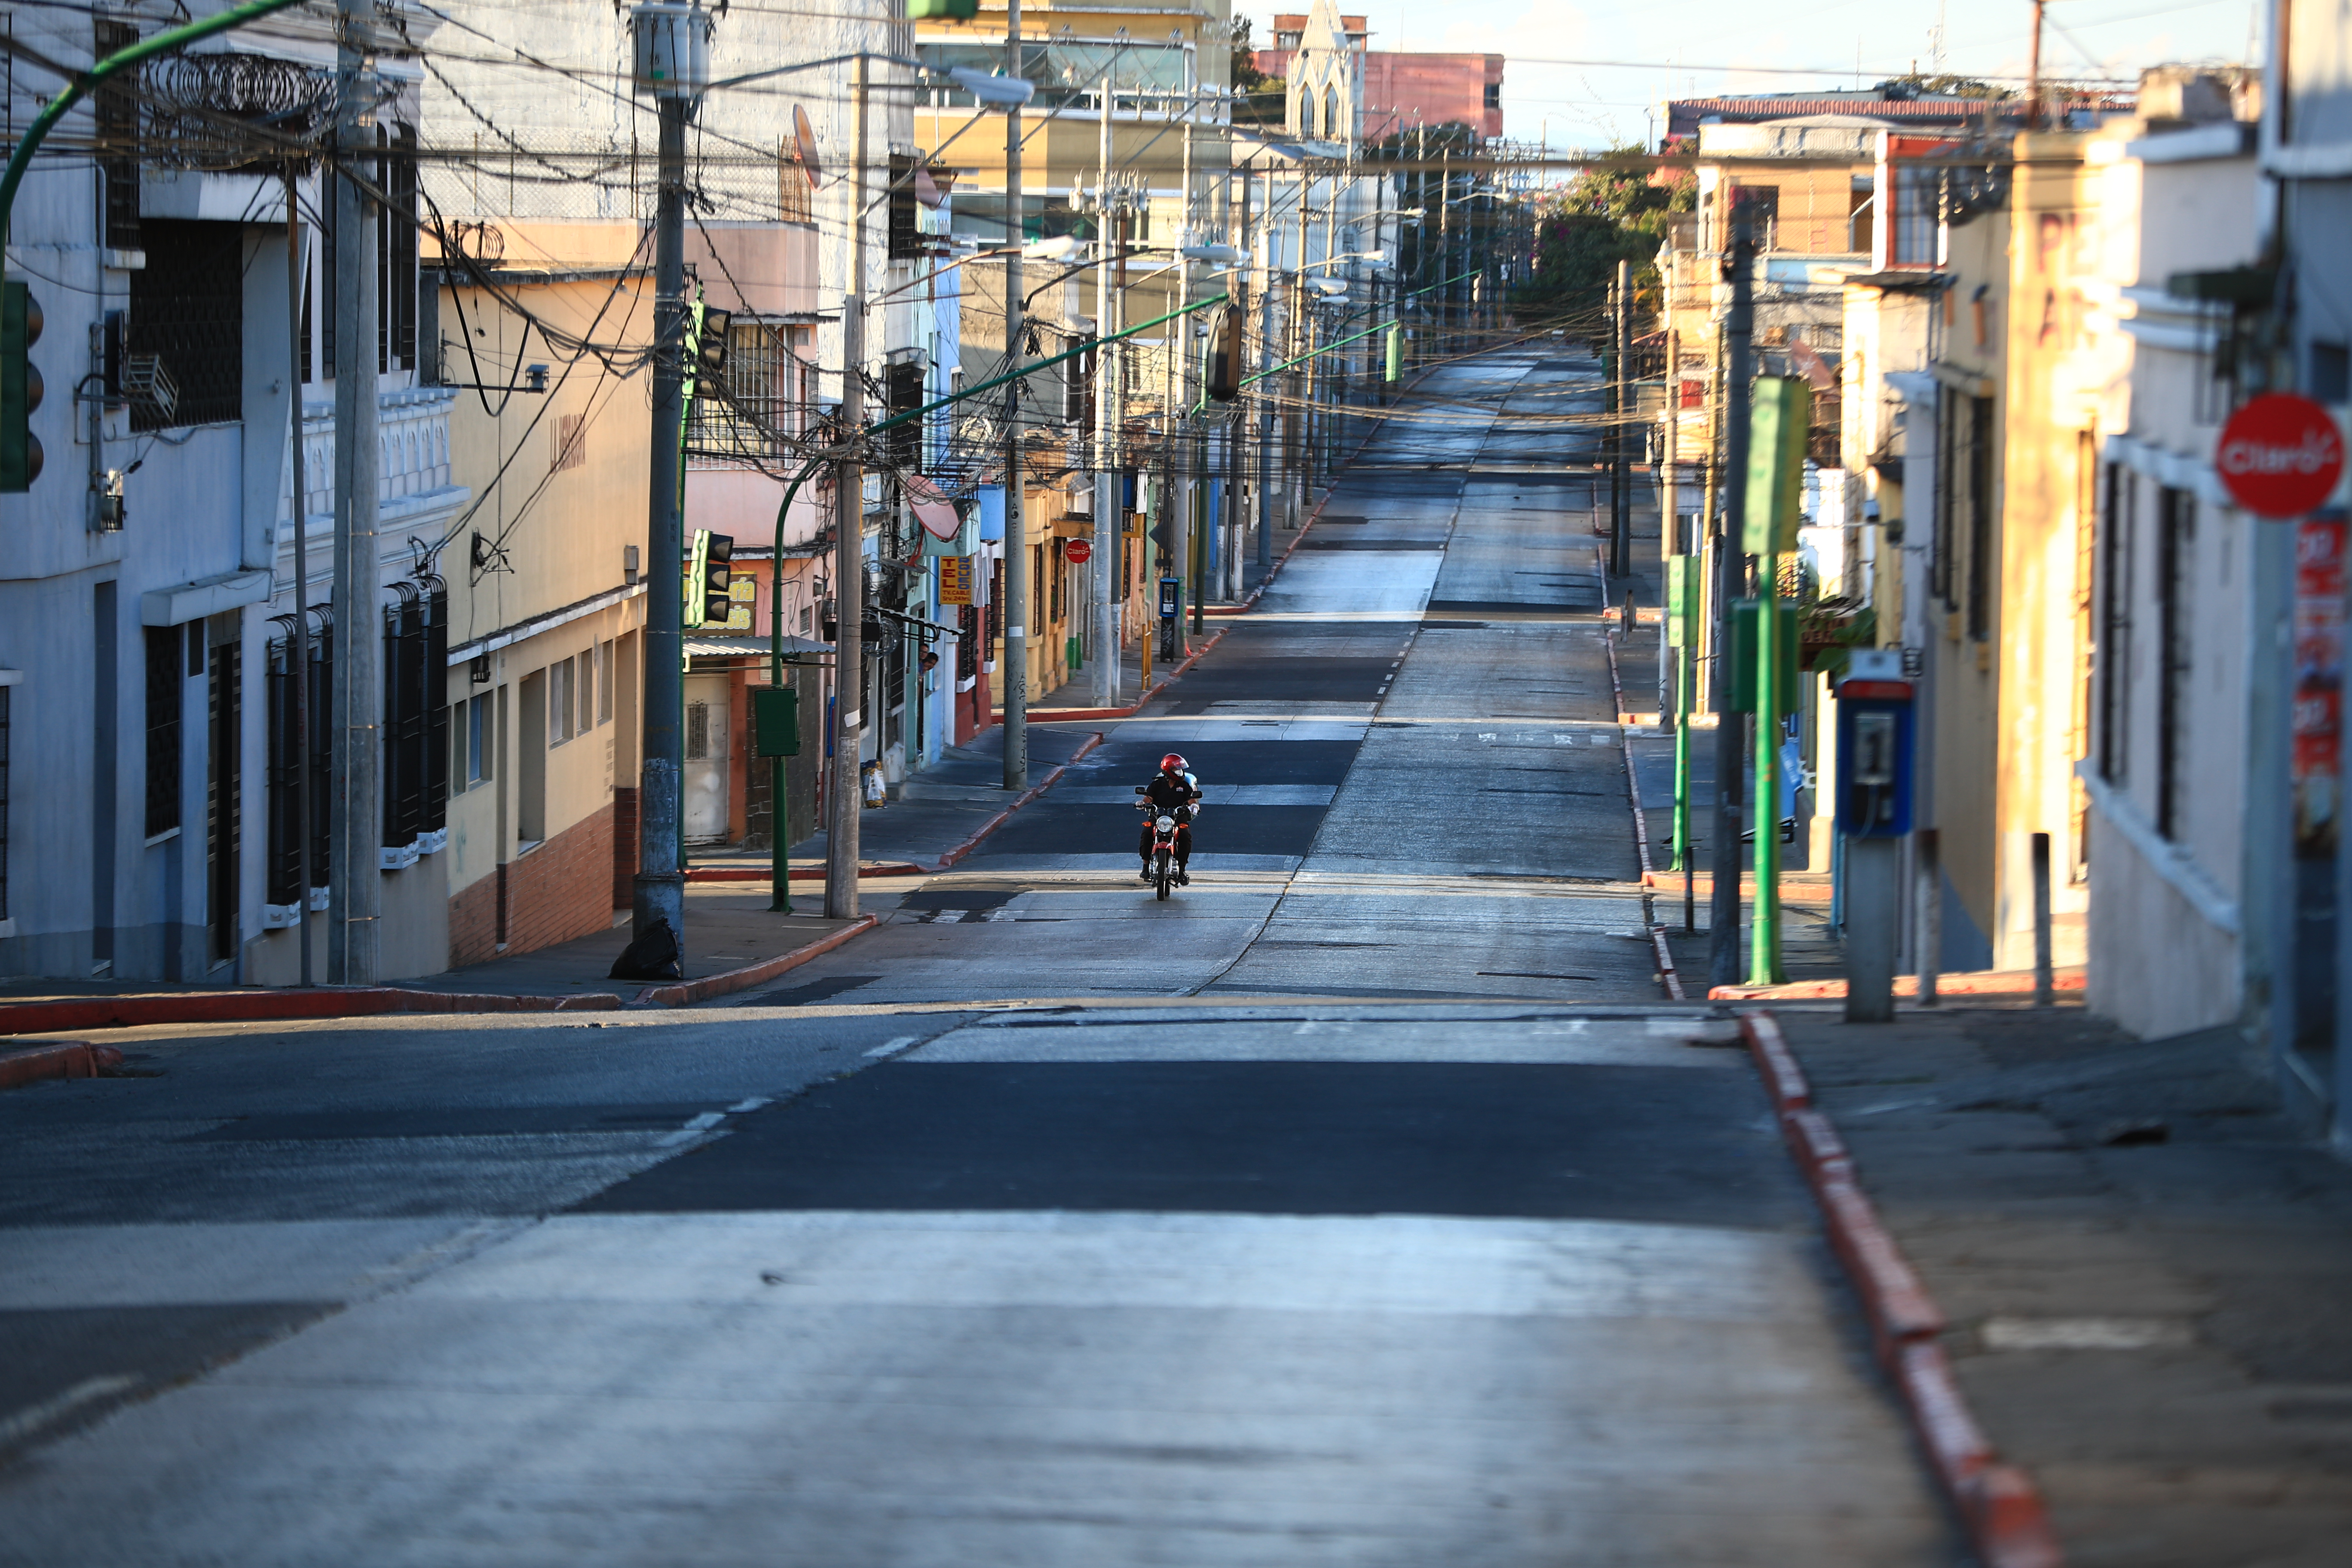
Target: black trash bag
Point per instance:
(653, 956)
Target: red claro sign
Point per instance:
(2280, 456)
(1077, 551)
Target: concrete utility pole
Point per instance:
(1013, 672)
(297, 643)
(1112, 232)
(1621, 466)
(1670, 543)
(355, 889)
(657, 891)
(849, 557)
(1730, 756)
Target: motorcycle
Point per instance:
(1163, 842)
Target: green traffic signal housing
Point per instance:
(707, 579)
(1222, 362)
(942, 10)
(20, 388)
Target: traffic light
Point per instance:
(1221, 368)
(20, 388)
(707, 579)
(942, 10)
(710, 333)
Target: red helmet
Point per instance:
(1173, 764)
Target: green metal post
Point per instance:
(1779, 415)
(1764, 953)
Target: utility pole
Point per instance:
(1265, 400)
(1739, 326)
(849, 555)
(298, 644)
(1013, 671)
(657, 891)
(1112, 232)
(1670, 543)
(1621, 472)
(1232, 437)
(355, 888)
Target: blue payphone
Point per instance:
(1874, 751)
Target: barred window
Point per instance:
(188, 311)
(163, 701)
(416, 725)
(748, 412)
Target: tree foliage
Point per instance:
(1263, 98)
(1608, 213)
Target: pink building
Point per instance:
(1405, 90)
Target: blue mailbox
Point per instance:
(1874, 752)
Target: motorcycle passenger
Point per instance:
(1173, 790)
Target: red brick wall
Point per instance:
(560, 891)
(474, 923)
(561, 888)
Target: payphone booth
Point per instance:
(1876, 747)
(1172, 614)
(1875, 750)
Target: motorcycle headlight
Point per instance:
(1166, 822)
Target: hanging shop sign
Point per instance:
(1078, 552)
(956, 576)
(2280, 456)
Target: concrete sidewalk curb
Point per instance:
(805, 874)
(689, 993)
(65, 1059)
(1968, 983)
(1031, 793)
(263, 1006)
(1997, 1503)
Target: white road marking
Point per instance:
(753, 1103)
(694, 1127)
(889, 1047)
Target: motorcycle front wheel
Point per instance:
(1161, 876)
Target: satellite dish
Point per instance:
(927, 189)
(804, 143)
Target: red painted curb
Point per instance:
(1997, 1503)
(1968, 983)
(1031, 793)
(66, 1059)
(266, 1006)
(805, 874)
(692, 990)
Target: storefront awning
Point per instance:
(698, 647)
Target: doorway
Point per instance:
(706, 803)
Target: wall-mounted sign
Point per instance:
(1077, 551)
(2280, 456)
(955, 579)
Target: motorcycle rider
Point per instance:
(1175, 791)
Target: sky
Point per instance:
(1692, 47)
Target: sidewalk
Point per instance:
(732, 940)
(2142, 1269)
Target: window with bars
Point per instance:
(415, 770)
(2115, 646)
(395, 258)
(187, 308)
(114, 109)
(1919, 217)
(571, 442)
(905, 231)
(163, 702)
(749, 412)
(2176, 522)
(282, 775)
(1982, 520)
